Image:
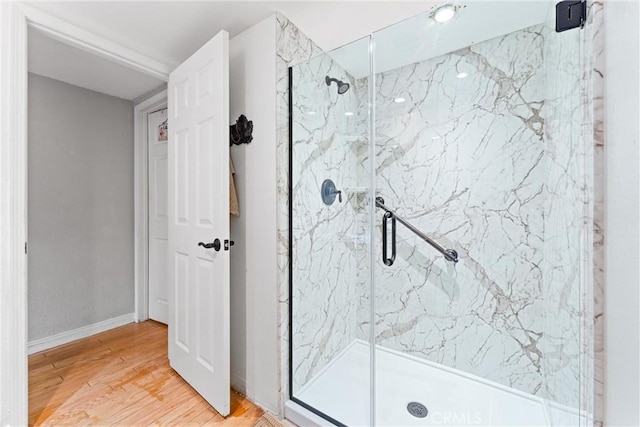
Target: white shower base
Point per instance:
(453, 398)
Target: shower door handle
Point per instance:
(388, 261)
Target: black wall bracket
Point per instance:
(241, 132)
(570, 14)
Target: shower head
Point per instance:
(342, 86)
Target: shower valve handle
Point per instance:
(328, 191)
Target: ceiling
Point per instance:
(166, 31)
(170, 31)
(420, 37)
(56, 60)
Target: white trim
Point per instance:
(77, 334)
(13, 215)
(72, 35)
(267, 408)
(239, 384)
(141, 202)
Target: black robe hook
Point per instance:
(241, 132)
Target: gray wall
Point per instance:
(80, 207)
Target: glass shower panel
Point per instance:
(478, 147)
(330, 212)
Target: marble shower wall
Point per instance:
(328, 240)
(500, 194)
(491, 166)
(593, 99)
(567, 217)
(325, 146)
(293, 47)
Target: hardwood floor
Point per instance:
(121, 377)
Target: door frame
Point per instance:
(141, 201)
(15, 18)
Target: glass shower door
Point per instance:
(331, 235)
(440, 203)
(478, 151)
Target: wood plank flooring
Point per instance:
(121, 378)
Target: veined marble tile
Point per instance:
(324, 253)
(496, 165)
(328, 240)
(293, 47)
(492, 166)
(593, 297)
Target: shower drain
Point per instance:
(417, 409)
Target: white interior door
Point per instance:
(199, 212)
(158, 217)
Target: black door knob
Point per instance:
(216, 245)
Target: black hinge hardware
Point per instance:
(228, 243)
(26, 250)
(570, 14)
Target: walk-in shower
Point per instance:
(440, 219)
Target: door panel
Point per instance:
(181, 176)
(199, 212)
(204, 152)
(158, 219)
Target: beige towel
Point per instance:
(233, 196)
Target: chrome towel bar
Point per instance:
(449, 254)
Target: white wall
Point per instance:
(254, 296)
(622, 214)
(80, 189)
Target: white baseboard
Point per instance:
(266, 408)
(238, 384)
(76, 334)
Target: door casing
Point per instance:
(141, 201)
(158, 223)
(15, 18)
